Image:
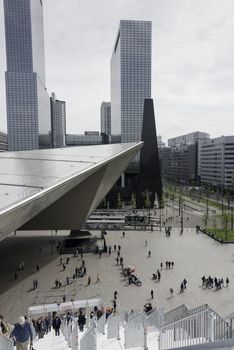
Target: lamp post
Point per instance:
(181, 218)
(51, 241)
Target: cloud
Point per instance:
(193, 60)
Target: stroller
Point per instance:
(134, 279)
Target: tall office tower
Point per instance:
(106, 118)
(130, 80)
(27, 101)
(58, 122)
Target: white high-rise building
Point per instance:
(58, 122)
(24, 101)
(188, 139)
(216, 162)
(130, 78)
(106, 118)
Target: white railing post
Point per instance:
(75, 336)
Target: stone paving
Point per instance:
(193, 254)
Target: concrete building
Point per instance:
(216, 162)
(160, 142)
(106, 118)
(58, 122)
(130, 80)
(180, 164)
(26, 107)
(93, 138)
(188, 139)
(3, 142)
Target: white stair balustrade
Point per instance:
(155, 318)
(113, 325)
(101, 323)
(74, 344)
(134, 335)
(6, 343)
(89, 339)
(204, 325)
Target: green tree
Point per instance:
(119, 201)
(133, 201)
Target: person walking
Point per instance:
(22, 333)
(89, 280)
(114, 306)
(115, 294)
(56, 325)
(171, 292)
(98, 278)
(81, 321)
(152, 294)
(227, 282)
(149, 253)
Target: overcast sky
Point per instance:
(192, 62)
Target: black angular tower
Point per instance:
(150, 182)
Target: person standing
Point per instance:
(56, 325)
(81, 321)
(152, 294)
(22, 333)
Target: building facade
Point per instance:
(3, 142)
(130, 80)
(180, 164)
(106, 118)
(27, 107)
(216, 162)
(188, 139)
(84, 140)
(58, 122)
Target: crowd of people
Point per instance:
(210, 282)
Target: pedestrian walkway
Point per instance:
(193, 254)
(51, 342)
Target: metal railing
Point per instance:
(155, 318)
(89, 340)
(101, 323)
(134, 314)
(135, 332)
(6, 343)
(176, 314)
(123, 317)
(201, 327)
(113, 324)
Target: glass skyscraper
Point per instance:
(27, 100)
(106, 118)
(58, 120)
(130, 78)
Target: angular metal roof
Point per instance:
(25, 176)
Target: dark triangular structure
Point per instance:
(150, 182)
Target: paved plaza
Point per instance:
(194, 255)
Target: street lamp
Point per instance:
(182, 217)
